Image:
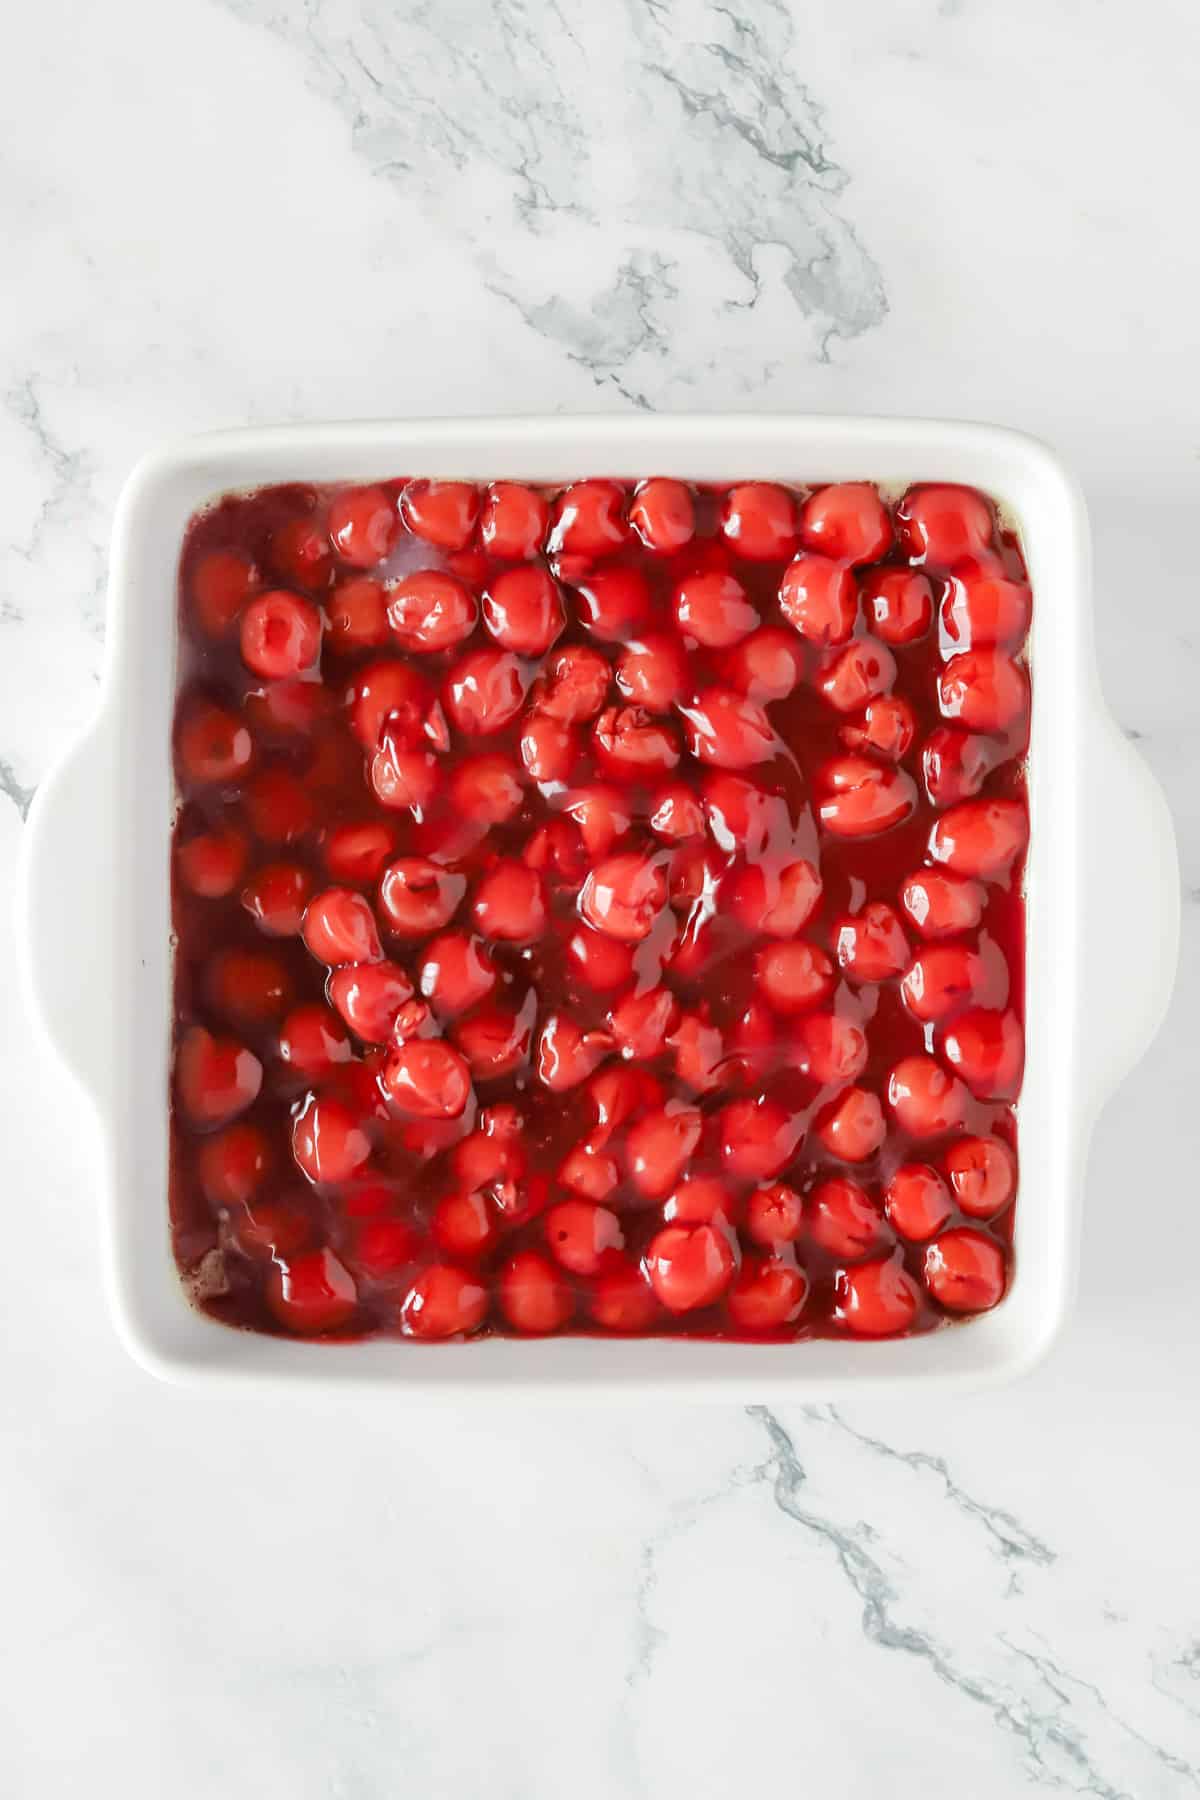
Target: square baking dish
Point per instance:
(101, 979)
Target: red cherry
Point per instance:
(276, 897)
(852, 1126)
(940, 525)
(404, 780)
(699, 1053)
(589, 1171)
(389, 693)
(943, 978)
(495, 1040)
(983, 609)
(220, 585)
(985, 689)
(510, 904)
(955, 765)
(862, 670)
(233, 1165)
(794, 975)
(362, 525)
(700, 1200)
(689, 1266)
(767, 1295)
(356, 853)
(311, 1293)
(328, 1143)
(580, 1235)
(299, 552)
(964, 1270)
(533, 1296)
(214, 746)
(431, 611)
(464, 1225)
(382, 1247)
(861, 798)
(759, 521)
(871, 946)
(339, 927)
(818, 599)
(268, 1230)
(980, 838)
(566, 1054)
(369, 996)
(356, 616)
(523, 610)
(613, 603)
(774, 1215)
(210, 865)
(767, 665)
(843, 1221)
(444, 1302)
(557, 852)
(888, 726)
(917, 1201)
(623, 895)
(758, 1138)
(634, 745)
(877, 1299)
(589, 519)
(279, 806)
(942, 905)
(513, 522)
(641, 1023)
(713, 608)
(491, 1155)
(600, 961)
(653, 673)
(926, 1100)
(848, 521)
(251, 987)
(831, 1050)
(659, 1146)
(988, 1050)
(280, 634)
(456, 973)
(576, 684)
(292, 708)
(615, 1095)
(779, 902)
(548, 748)
(426, 1078)
(621, 1299)
(311, 1041)
(487, 789)
(602, 814)
(417, 897)
(485, 691)
(983, 1175)
(725, 728)
(663, 515)
(441, 512)
(898, 604)
(741, 816)
(368, 1199)
(675, 814)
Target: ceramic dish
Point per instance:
(101, 975)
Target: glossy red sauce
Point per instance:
(430, 1198)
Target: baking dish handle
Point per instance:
(1131, 918)
(65, 909)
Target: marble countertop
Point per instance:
(291, 209)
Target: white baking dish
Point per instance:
(96, 916)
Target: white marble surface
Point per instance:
(279, 209)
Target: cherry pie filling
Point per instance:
(598, 909)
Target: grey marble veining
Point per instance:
(349, 208)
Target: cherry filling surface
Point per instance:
(598, 909)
